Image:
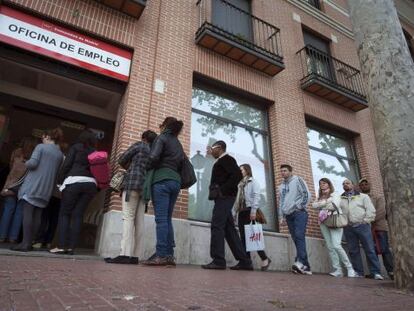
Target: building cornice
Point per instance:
(337, 7)
(309, 9)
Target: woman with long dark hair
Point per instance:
(38, 184)
(78, 188)
(166, 158)
(326, 201)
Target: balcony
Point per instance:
(235, 33)
(132, 8)
(328, 77)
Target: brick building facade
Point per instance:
(168, 64)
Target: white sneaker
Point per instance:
(378, 276)
(306, 270)
(352, 273)
(298, 267)
(337, 274)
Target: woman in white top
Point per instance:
(246, 206)
(327, 200)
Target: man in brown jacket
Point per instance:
(379, 227)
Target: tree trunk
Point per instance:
(389, 73)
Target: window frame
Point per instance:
(349, 138)
(256, 103)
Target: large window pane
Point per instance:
(245, 145)
(330, 143)
(332, 158)
(229, 109)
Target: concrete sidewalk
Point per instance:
(43, 283)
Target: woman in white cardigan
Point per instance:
(333, 236)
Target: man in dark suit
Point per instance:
(225, 177)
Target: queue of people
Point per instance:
(153, 171)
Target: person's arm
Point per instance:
(156, 151)
(279, 210)
(34, 160)
(67, 165)
(305, 194)
(380, 212)
(369, 210)
(126, 157)
(255, 197)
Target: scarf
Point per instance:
(240, 203)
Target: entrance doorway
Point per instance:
(37, 94)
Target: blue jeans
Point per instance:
(12, 219)
(297, 222)
(164, 195)
(355, 235)
(387, 257)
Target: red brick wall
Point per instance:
(164, 48)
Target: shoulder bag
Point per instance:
(336, 218)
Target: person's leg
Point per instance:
(333, 256)
(17, 221)
(129, 209)
(160, 199)
(301, 220)
(139, 227)
(86, 193)
(290, 221)
(387, 257)
(218, 224)
(70, 196)
(53, 221)
(243, 219)
(28, 213)
(9, 209)
(336, 238)
(352, 240)
(232, 237)
(174, 190)
(367, 241)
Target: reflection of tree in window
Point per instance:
(224, 108)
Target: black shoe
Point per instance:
(213, 266)
(240, 266)
(264, 268)
(123, 260)
(20, 248)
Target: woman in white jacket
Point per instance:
(246, 206)
(327, 200)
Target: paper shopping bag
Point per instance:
(254, 237)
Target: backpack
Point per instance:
(98, 162)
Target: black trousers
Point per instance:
(75, 199)
(50, 218)
(244, 219)
(222, 227)
(32, 216)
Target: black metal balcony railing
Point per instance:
(314, 3)
(236, 27)
(327, 71)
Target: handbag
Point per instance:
(253, 234)
(188, 176)
(13, 189)
(117, 180)
(336, 218)
(260, 217)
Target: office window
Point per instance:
(332, 157)
(244, 129)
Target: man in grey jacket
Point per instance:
(294, 196)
